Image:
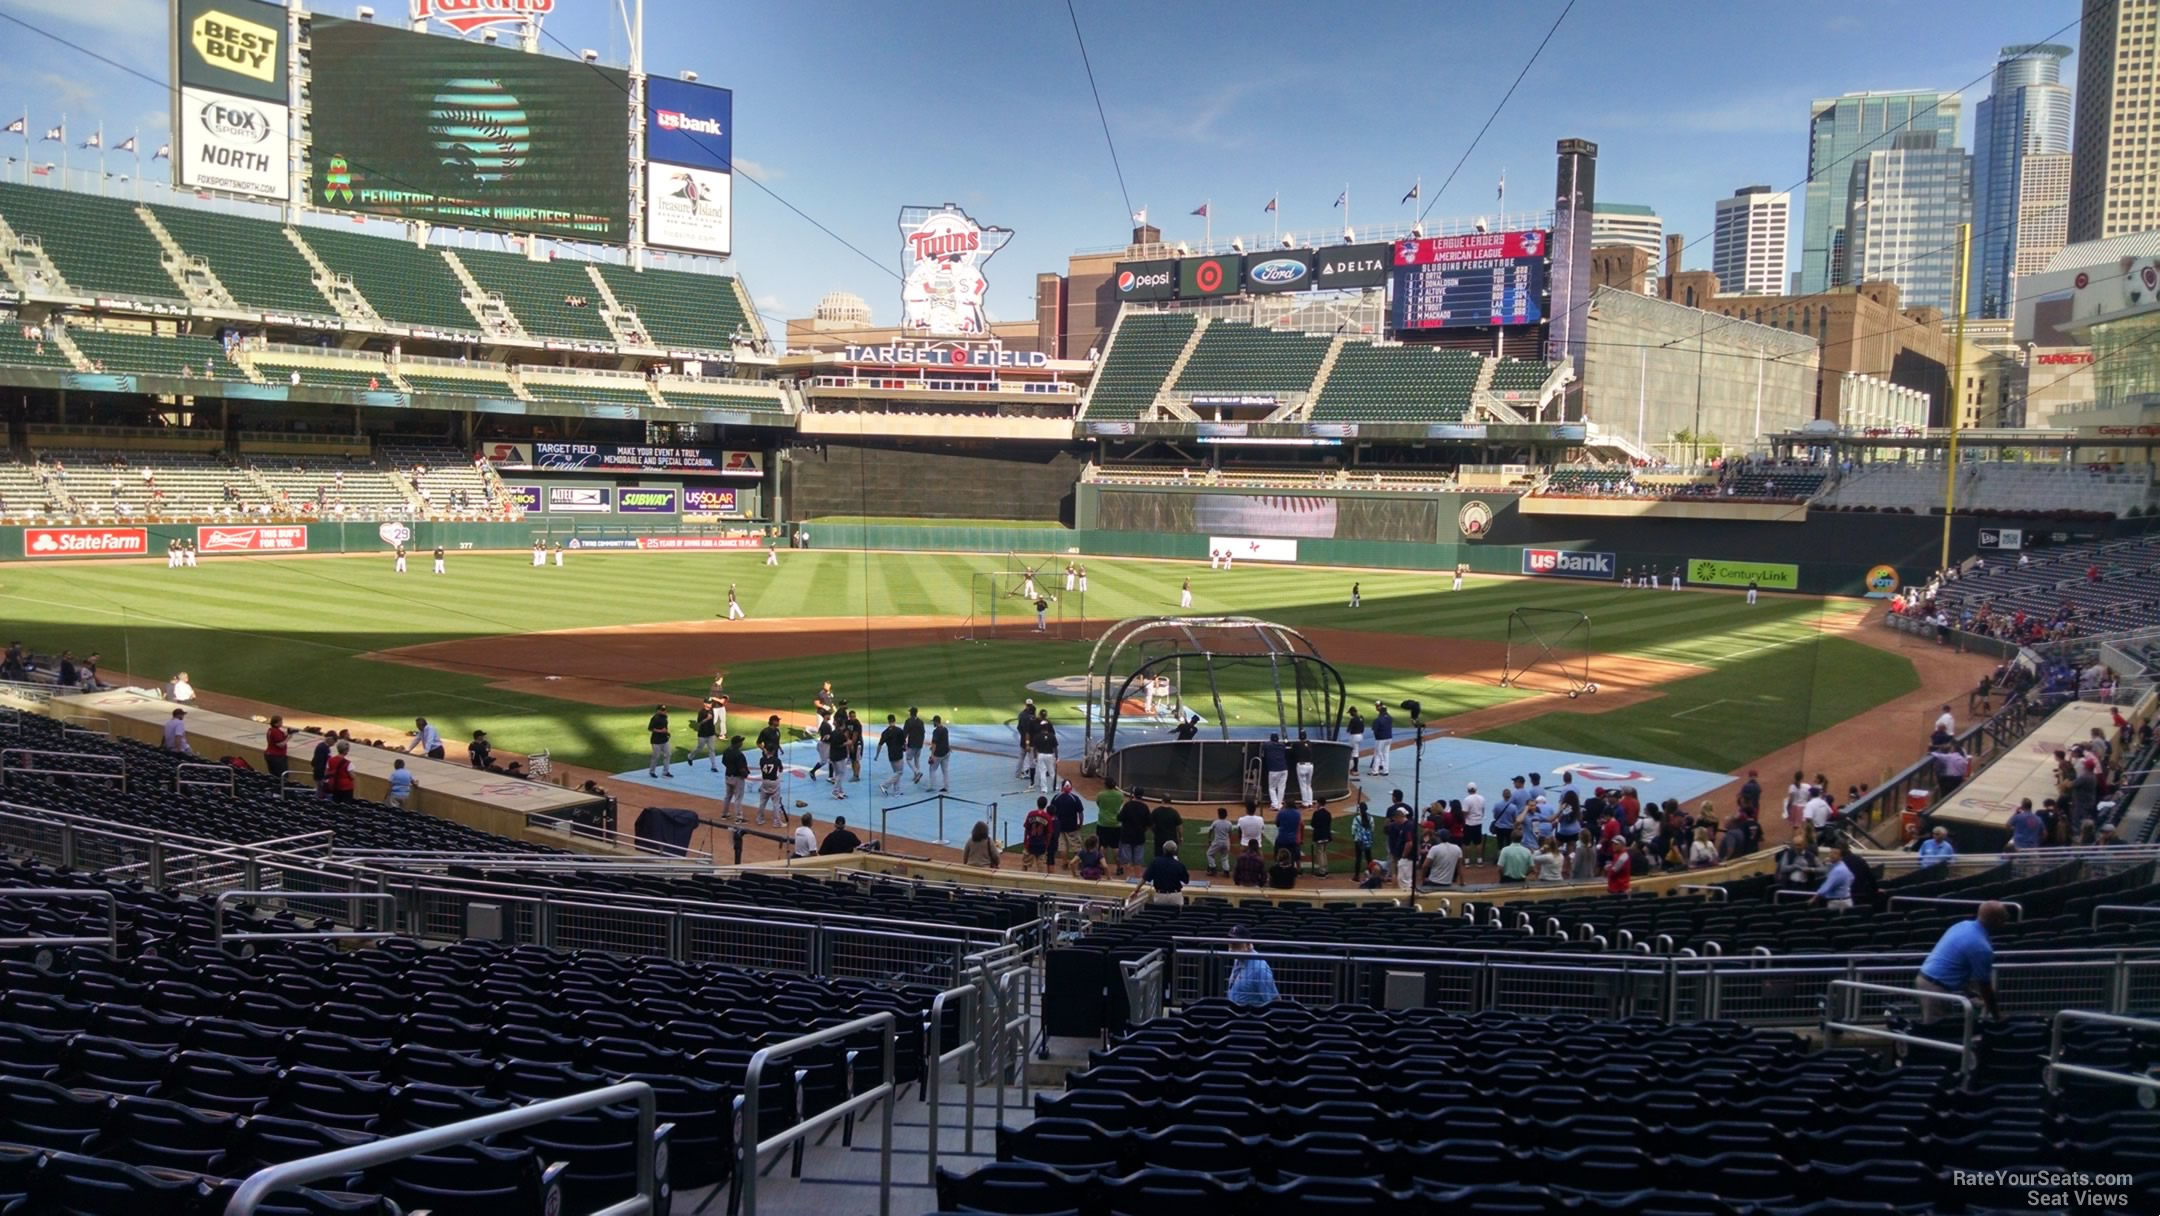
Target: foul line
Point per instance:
(1706, 705)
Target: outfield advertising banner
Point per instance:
(689, 124)
(580, 500)
(1569, 563)
(699, 542)
(1308, 517)
(709, 500)
(1254, 548)
(623, 458)
(524, 498)
(1290, 270)
(1770, 576)
(638, 500)
(1882, 582)
(85, 542)
(231, 46)
(268, 538)
(1354, 266)
(418, 127)
(689, 209)
(1206, 278)
(2002, 538)
(234, 145)
(1147, 280)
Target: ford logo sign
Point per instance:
(1277, 271)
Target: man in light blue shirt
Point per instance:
(1252, 981)
(1936, 850)
(1836, 888)
(401, 784)
(426, 740)
(1963, 959)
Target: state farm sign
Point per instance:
(287, 539)
(85, 542)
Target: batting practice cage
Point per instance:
(1001, 602)
(1233, 679)
(1548, 650)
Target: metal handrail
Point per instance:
(2132, 909)
(934, 1061)
(2017, 910)
(752, 1147)
(1721, 894)
(218, 936)
(27, 771)
(229, 784)
(2056, 1067)
(1138, 974)
(112, 918)
(264, 1183)
(1968, 1057)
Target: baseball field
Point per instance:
(573, 659)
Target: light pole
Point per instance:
(1417, 793)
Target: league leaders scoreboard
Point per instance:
(1480, 279)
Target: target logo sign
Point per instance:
(1209, 276)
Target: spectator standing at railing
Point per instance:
(1951, 767)
(2026, 827)
(275, 755)
(339, 774)
(1836, 890)
(1936, 850)
(175, 737)
(1962, 961)
(1134, 822)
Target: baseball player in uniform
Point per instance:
(539, 555)
(1460, 569)
(1184, 595)
(188, 551)
(737, 767)
(1751, 588)
(940, 754)
(558, 555)
(662, 752)
(1027, 587)
(913, 729)
(1083, 580)
(768, 793)
(438, 559)
(1676, 578)
(1072, 576)
(172, 554)
(708, 743)
(400, 567)
(734, 606)
(772, 551)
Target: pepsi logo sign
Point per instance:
(1277, 271)
(1128, 282)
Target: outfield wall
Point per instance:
(888, 477)
(288, 539)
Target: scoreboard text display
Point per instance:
(420, 127)
(1480, 279)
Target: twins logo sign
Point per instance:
(942, 288)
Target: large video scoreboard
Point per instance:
(1481, 279)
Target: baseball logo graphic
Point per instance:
(480, 130)
(1474, 519)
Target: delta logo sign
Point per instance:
(1568, 563)
(465, 16)
(85, 542)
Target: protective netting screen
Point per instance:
(1303, 516)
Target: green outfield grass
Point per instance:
(292, 632)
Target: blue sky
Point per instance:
(849, 110)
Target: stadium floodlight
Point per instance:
(689, 76)
(1481, 225)
(1289, 242)
(1349, 235)
(488, 37)
(1417, 229)
(589, 55)
(366, 13)
(1237, 244)
(1183, 249)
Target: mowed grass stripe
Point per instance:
(286, 631)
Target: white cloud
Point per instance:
(769, 303)
(70, 92)
(764, 173)
(1195, 121)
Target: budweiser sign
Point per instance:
(291, 538)
(465, 16)
(85, 542)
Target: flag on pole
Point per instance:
(1140, 216)
(96, 140)
(44, 170)
(164, 152)
(20, 126)
(55, 135)
(126, 145)
(1342, 198)
(1415, 187)
(1503, 185)
(1201, 210)
(1271, 205)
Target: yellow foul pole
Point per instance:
(1957, 385)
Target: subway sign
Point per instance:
(635, 501)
